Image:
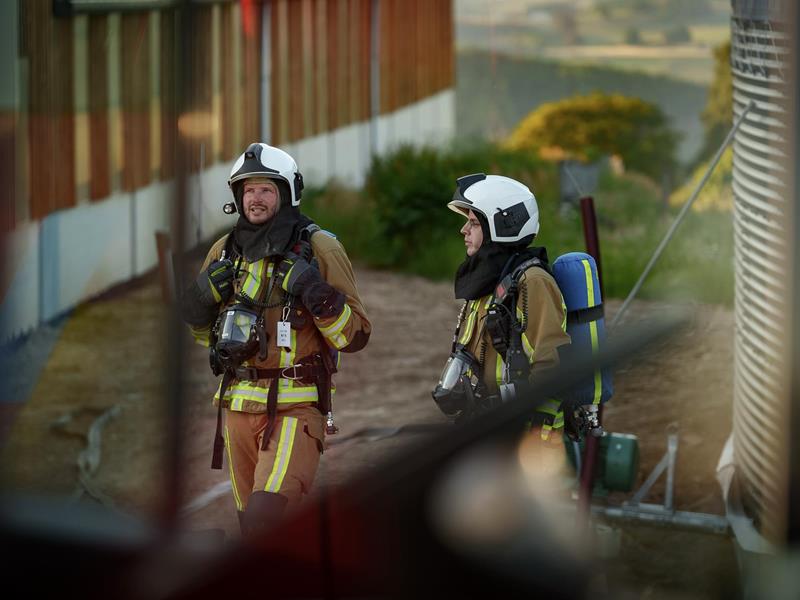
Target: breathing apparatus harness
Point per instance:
(505, 332)
(240, 334)
(460, 392)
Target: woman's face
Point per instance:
(473, 234)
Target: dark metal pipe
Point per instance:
(175, 363)
(589, 219)
(589, 462)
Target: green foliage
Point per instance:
(696, 266)
(717, 115)
(494, 93)
(408, 191)
(717, 194)
(587, 127)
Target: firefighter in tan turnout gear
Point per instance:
(276, 302)
(500, 345)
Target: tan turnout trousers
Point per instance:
(289, 463)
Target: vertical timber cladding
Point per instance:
(416, 51)
(99, 165)
(51, 134)
(759, 64)
(320, 53)
(135, 100)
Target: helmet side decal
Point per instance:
(509, 222)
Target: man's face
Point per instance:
(473, 234)
(260, 200)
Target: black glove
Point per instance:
(300, 278)
(215, 284)
(487, 403)
(200, 301)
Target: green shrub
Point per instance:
(408, 191)
(587, 127)
(402, 223)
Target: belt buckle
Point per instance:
(294, 376)
(247, 373)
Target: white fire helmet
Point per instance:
(263, 160)
(509, 207)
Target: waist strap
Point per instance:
(298, 371)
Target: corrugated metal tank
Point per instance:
(759, 63)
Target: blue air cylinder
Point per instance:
(576, 275)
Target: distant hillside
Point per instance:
(490, 101)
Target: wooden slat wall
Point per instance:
(168, 99)
(99, 168)
(320, 81)
(227, 74)
(135, 101)
(251, 65)
(416, 50)
(51, 123)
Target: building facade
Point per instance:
(89, 122)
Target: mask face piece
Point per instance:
(457, 365)
(238, 339)
(454, 392)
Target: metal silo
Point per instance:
(760, 64)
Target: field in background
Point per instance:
(696, 267)
(531, 29)
(494, 93)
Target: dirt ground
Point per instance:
(111, 352)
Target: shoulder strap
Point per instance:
(229, 251)
(309, 230)
(524, 266)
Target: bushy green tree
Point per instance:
(717, 115)
(587, 127)
(408, 191)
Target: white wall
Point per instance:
(72, 255)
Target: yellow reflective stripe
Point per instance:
(284, 453)
(201, 336)
(214, 292)
(253, 279)
(526, 345)
(598, 379)
(498, 369)
(334, 331)
(237, 395)
(236, 497)
(469, 324)
(527, 348)
(549, 407)
(287, 276)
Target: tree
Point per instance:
(587, 127)
(717, 116)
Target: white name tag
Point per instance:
(284, 337)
